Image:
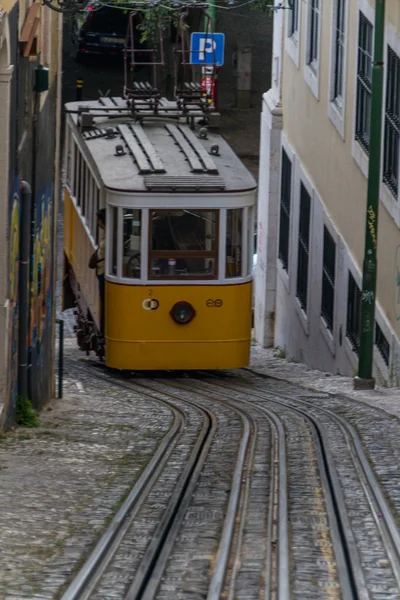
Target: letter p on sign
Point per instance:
(207, 49)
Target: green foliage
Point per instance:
(26, 414)
(264, 5)
(280, 352)
(165, 14)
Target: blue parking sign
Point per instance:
(207, 49)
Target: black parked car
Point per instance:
(103, 30)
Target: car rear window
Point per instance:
(109, 20)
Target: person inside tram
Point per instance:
(97, 262)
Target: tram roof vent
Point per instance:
(199, 159)
(142, 150)
(190, 183)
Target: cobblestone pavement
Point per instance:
(61, 483)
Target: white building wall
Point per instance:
(333, 179)
(304, 337)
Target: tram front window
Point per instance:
(183, 243)
(131, 243)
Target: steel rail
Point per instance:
(88, 577)
(94, 566)
(387, 526)
(147, 578)
(218, 578)
(349, 567)
(283, 548)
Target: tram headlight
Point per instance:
(182, 313)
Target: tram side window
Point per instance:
(76, 171)
(94, 214)
(114, 237)
(90, 191)
(131, 240)
(234, 229)
(183, 244)
(69, 146)
(84, 187)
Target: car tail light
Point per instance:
(182, 313)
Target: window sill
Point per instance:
(381, 367)
(284, 275)
(292, 48)
(353, 357)
(336, 116)
(302, 316)
(328, 336)
(361, 157)
(311, 77)
(390, 203)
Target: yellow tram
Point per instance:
(179, 234)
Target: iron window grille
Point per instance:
(364, 82)
(313, 37)
(339, 53)
(294, 18)
(328, 279)
(353, 314)
(382, 344)
(304, 241)
(284, 224)
(392, 124)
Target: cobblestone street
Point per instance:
(62, 483)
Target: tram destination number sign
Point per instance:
(214, 303)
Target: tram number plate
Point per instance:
(214, 303)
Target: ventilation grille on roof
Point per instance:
(199, 160)
(189, 183)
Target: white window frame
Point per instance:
(292, 40)
(389, 201)
(383, 368)
(337, 107)
(350, 267)
(301, 177)
(358, 152)
(284, 274)
(330, 336)
(312, 68)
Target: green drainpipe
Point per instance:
(368, 295)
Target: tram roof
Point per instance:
(159, 155)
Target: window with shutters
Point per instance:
(303, 247)
(328, 279)
(353, 314)
(364, 81)
(391, 157)
(382, 344)
(285, 204)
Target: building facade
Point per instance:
(30, 41)
(313, 188)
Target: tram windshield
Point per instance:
(183, 243)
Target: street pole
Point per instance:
(368, 295)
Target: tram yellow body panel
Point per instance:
(140, 336)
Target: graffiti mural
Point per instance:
(41, 298)
(12, 375)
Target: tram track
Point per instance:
(347, 484)
(149, 572)
(335, 565)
